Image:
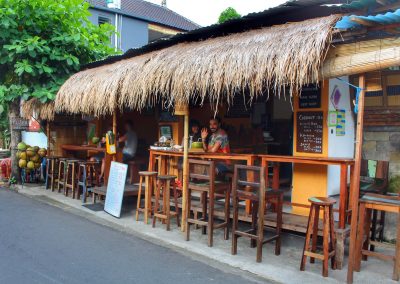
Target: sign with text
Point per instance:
(310, 97)
(115, 189)
(18, 123)
(310, 125)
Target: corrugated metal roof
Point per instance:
(151, 12)
(381, 19)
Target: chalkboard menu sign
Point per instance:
(310, 97)
(310, 131)
(18, 123)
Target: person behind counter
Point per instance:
(130, 140)
(194, 131)
(217, 142)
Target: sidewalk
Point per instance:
(281, 269)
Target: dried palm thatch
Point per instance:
(34, 107)
(278, 58)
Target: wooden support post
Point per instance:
(114, 126)
(48, 138)
(355, 180)
(185, 181)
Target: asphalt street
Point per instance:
(40, 243)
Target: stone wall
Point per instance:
(383, 143)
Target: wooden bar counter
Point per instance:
(343, 163)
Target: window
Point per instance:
(103, 20)
(382, 89)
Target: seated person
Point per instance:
(130, 140)
(217, 142)
(194, 131)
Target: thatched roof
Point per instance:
(35, 108)
(273, 58)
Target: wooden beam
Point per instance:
(355, 180)
(362, 22)
(114, 126)
(361, 57)
(185, 197)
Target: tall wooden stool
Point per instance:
(369, 203)
(71, 172)
(88, 177)
(51, 172)
(62, 174)
(210, 189)
(256, 192)
(329, 241)
(164, 186)
(150, 182)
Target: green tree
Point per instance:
(228, 14)
(43, 42)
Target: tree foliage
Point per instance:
(43, 42)
(228, 14)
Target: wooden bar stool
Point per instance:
(88, 177)
(71, 172)
(150, 182)
(368, 204)
(164, 188)
(329, 241)
(204, 183)
(256, 192)
(51, 172)
(62, 174)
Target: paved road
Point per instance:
(44, 244)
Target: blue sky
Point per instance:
(206, 12)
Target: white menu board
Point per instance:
(115, 189)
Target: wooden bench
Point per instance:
(130, 190)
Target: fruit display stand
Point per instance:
(31, 161)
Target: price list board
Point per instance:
(310, 132)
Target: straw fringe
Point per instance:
(34, 107)
(279, 59)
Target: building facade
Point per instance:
(138, 22)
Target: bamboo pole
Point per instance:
(114, 126)
(185, 181)
(355, 180)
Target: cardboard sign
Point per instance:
(115, 189)
(310, 131)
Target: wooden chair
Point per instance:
(51, 171)
(150, 183)
(329, 241)
(375, 179)
(62, 174)
(204, 183)
(71, 178)
(376, 202)
(88, 177)
(135, 167)
(254, 189)
(163, 189)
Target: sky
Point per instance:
(206, 12)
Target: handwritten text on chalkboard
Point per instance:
(310, 97)
(310, 132)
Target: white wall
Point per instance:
(340, 146)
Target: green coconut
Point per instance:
(36, 148)
(21, 146)
(42, 152)
(35, 158)
(30, 165)
(30, 152)
(22, 155)
(22, 163)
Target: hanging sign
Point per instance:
(115, 189)
(310, 131)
